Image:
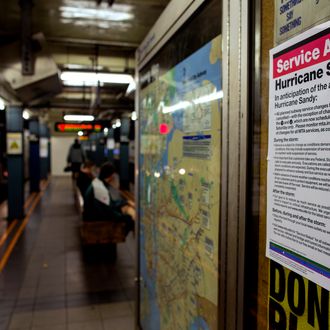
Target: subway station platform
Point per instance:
(47, 281)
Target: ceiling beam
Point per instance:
(128, 106)
(73, 42)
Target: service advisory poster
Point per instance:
(298, 193)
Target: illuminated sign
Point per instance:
(74, 127)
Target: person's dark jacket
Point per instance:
(95, 210)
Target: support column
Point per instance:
(124, 154)
(43, 151)
(100, 147)
(15, 161)
(49, 169)
(110, 145)
(34, 159)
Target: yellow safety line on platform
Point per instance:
(13, 224)
(7, 232)
(19, 232)
(29, 199)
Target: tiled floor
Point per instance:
(50, 283)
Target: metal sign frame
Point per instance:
(235, 36)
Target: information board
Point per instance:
(180, 118)
(14, 143)
(294, 16)
(298, 195)
(43, 147)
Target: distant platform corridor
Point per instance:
(48, 282)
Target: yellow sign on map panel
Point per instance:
(14, 144)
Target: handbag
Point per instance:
(67, 168)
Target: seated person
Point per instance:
(98, 205)
(85, 176)
(114, 192)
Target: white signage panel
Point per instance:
(294, 16)
(43, 147)
(14, 143)
(298, 183)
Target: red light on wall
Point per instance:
(163, 129)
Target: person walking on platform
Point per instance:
(98, 205)
(76, 157)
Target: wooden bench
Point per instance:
(99, 232)
(102, 232)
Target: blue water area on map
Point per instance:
(199, 324)
(152, 319)
(190, 73)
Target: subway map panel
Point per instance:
(180, 192)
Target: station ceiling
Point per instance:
(88, 35)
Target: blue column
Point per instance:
(15, 161)
(110, 147)
(99, 153)
(49, 151)
(34, 159)
(43, 129)
(124, 153)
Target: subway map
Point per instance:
(180, 132)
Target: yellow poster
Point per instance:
(296, 303)
(14, 144)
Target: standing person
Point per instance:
(76, 157)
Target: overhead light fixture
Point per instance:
(26, 115)
(80, 133)
(134, 115)
(79, 78)
(78, 118)
(2, 104)
(118, 123)
(131, 87)
(79, 9)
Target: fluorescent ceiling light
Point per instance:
(2, 104)
(131, 87)
(26, 115)
(117, 13)
(134, 115)
(118, 123)
(78, 118)
(75, 78)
